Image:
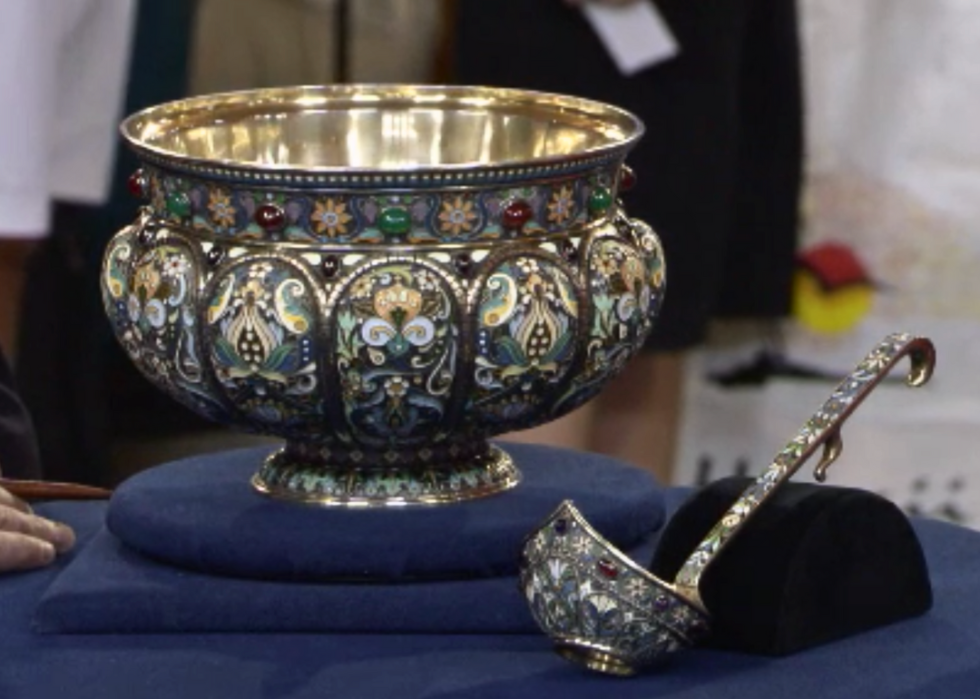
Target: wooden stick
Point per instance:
(43, 490)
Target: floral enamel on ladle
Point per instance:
(604, 611)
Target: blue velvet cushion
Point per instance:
(202, 514)
(109, 588)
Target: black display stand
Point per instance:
(814, 565)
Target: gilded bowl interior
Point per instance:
(379, 127)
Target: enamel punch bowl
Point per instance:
(383, 276)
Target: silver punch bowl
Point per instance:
(383, 276)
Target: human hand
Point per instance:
(26, 540)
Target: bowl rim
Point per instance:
(196, 110)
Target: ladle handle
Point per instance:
(823, 429)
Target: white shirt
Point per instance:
(63, 71)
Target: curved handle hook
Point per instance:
(888, 353)
(832, 448)
(822, 429)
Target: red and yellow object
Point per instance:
(832, 290)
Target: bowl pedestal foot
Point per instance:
(320, 475)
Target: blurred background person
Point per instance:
(315, 42)
(75, 73)
(63, 74)
(19, 457)
(718, 176)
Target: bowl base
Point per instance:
(485, 472)
(595, 657)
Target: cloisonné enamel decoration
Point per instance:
(383, 276)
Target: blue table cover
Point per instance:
(935, 656)
(110, 588)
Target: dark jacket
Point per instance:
(18, 446)
(719, 169)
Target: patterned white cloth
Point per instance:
(63, 70)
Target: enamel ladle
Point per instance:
(604, 611)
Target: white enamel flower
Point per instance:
(557, 569)
(175, 266)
